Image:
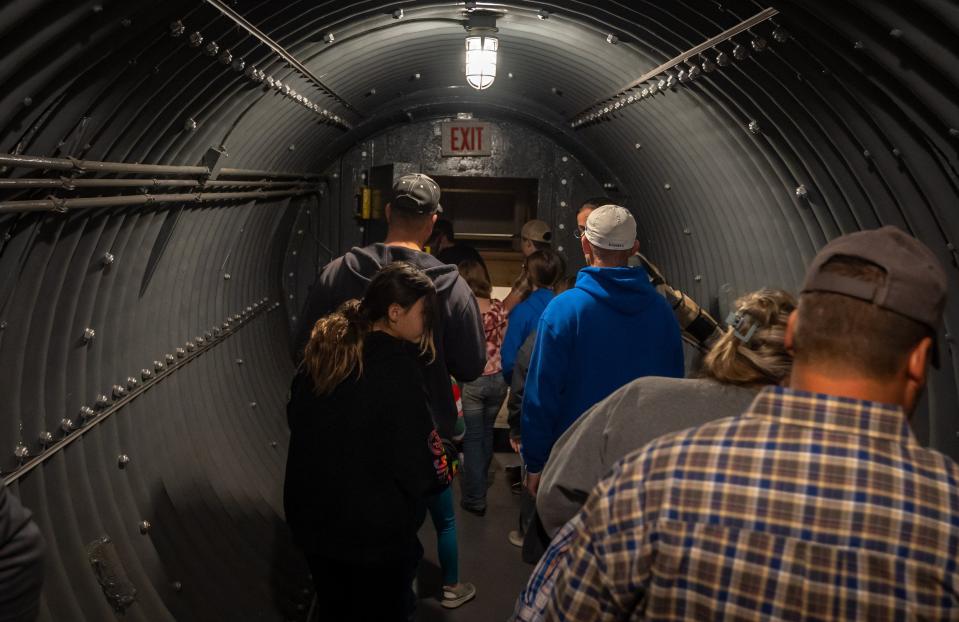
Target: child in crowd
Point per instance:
(364, 453)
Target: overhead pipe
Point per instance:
(83, 166)
(65, 183)
(64, 205)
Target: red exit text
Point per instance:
(466, 139)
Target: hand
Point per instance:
(532, 482)
(515, 444)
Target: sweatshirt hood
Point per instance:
(369, 259)
(627, 290)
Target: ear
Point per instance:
(789, 337)
(433, 220)
(394, 312)
(635, 248)
(917, 365)
(587, 249)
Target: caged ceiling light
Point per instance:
(481, 49)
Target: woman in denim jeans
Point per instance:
(483, 397)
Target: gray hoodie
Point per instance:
(457, 327)
(628, 419)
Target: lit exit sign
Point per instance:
(467, 138)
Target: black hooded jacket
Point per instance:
(457, 329)
(363, 458)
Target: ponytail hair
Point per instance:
(752, 351)
(544, 268)
(335, 350)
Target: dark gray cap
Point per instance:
(915, 284)
(416, 193)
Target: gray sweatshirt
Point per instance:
(628, 419)
(514, 403)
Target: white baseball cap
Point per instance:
(611, 227)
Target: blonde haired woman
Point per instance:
(748, 356)
(363, 450)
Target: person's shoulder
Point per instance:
(424, 260)
(390, 361)
(571, 296)
(936, 465)
(936, 475)
(521, 310)
(703, 438)
(565, 305)
(683, 402)
(704, 389)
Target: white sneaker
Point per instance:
(515, 538)
(455, 596)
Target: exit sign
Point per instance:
(467, 138)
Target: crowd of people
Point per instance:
(781, 480)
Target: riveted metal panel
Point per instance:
(855, 105)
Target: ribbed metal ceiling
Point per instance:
(737, 177)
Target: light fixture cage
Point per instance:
(481, 50)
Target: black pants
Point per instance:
(359, 592)
(535, 540)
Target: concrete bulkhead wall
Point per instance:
(517, 151)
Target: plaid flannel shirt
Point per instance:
(806, 507)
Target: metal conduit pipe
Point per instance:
(66, 183)
(63, 205)
(73, 164)
(252, 172)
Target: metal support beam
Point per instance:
(273, 45)
(235, 323)
(752, 22)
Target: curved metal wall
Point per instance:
(856, 105)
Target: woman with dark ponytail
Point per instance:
(364, 453)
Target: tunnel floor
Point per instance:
(487, 559)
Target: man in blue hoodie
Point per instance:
(610, 329)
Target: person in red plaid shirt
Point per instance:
(817, 503)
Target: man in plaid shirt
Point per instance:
(816, 504)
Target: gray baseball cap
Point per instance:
(915, 284)
(417, 193)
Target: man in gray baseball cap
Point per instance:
(870, 310)
(416, 193)
(458, 327)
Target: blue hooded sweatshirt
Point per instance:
(522, 321)
(610, 329)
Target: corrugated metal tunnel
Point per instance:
(173, 174)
